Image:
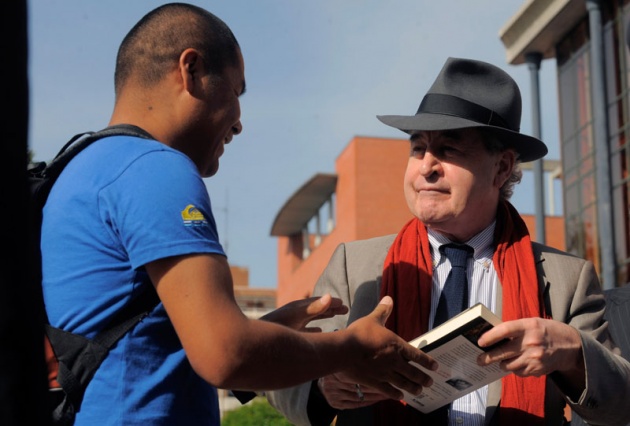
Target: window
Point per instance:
(577, 144)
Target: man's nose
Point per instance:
(237, 128)
(429, 165)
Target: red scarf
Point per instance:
(407, 278)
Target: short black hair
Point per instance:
(153, 46)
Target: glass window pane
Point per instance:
(588, 190)
(619, 168)
(572, 200)
(587, 165)
(574, 235)
(570, 155)
(584, 88)
(621, 225)
(590, 235)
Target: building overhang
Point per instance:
(303, 205)
(538, 26)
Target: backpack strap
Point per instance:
(129, 316)
(72, 147)
(80, 357)
(42, 176)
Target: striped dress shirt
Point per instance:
(482, 281)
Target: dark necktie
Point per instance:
(454, 296)
(453, 300)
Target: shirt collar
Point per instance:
(482, 244)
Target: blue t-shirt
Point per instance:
(121, 203)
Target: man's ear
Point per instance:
(505, 162)
(190, 69)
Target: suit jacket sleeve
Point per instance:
(574, 295)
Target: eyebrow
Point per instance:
(452, 133)
(244, 88)
(449, 133)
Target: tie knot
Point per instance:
(457, 254)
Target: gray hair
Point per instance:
(494, 145)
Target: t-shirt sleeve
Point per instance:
(159, 207)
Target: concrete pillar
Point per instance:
(602, 151)
(533, 60)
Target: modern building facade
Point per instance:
(363, 199)
(587, 40)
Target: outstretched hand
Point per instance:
(342, 393)
(299, 313)
(385, 364)
(537, 346)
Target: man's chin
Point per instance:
(431, 216)
(437, 223)
(210, 171)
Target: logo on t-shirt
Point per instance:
(193, 217)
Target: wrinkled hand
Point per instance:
(299, 313)
(341, 392)
(385, 360)
(536, 346)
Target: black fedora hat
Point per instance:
(469, 93)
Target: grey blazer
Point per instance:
(572, 295)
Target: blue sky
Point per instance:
(318, 72)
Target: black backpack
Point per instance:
(71, 358)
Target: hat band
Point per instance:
(434, 103)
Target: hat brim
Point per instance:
(529, 148)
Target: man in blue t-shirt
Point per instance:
(129, 212)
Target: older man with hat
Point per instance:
(466, 148)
